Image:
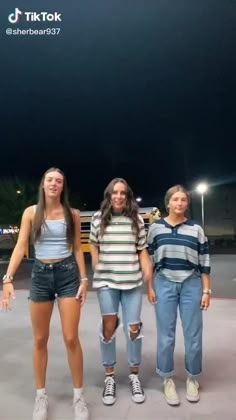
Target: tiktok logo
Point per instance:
(15, 16)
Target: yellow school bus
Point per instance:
(149, 215)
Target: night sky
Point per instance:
(140, 89)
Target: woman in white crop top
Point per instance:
(55, 231)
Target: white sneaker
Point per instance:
(171, 395)
(41, 408)
(138, 395)
(81, 409)
(192, 390)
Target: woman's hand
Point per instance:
(151, 295)
(8, 293)
(205, 302)
(82, 292)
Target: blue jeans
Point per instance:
(131, 303)
(187, 296)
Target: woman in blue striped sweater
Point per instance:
(179, 251)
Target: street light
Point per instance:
(139, 199)
(202, 189)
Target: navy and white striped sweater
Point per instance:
(178, 251)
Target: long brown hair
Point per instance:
(131, 209)
(39, 217)
(171, 191)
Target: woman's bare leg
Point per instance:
(69, 309)
(40, 313)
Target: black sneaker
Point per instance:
(138, 395)
(109, 392)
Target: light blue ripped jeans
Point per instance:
(131, 304)
(187, 297)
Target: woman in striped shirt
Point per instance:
(179, 251)
(120, 261)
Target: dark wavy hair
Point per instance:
(171, 191)
(131, 209)
(39, 218)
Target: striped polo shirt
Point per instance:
(118, 265)
(178, 251)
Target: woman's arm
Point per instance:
(144, 259)
(94, 241)
(78, 253)
(147, 270)
(204, 268)
(206, 281)
(146, 266)
(94, 251)
(151, 252)
(79, 257)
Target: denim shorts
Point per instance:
(60, 279)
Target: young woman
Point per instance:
(179, 251)
(120, 261)
(55, 229)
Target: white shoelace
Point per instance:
(109, 386)
(135, 384)
(171, 387)
(80, 404)
(193, 386)
(41, 403)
